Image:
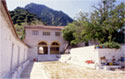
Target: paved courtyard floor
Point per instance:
(58, 70)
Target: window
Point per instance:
(35, 32)
(46, 33)
(57, 33)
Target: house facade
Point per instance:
(44, 40)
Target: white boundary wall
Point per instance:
(13, 52)
(81, 54)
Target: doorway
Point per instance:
(42, 48)
(54, 49)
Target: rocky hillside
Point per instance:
(39, 15)
(48, 15)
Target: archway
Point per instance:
(42, 48)
(54, 49)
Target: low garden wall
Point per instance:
(91, 57)
(83, 55)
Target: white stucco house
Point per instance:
(44, 40)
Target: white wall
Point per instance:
(80, 55)
(11, 48)
(33, 40)
(109, 53)
(85, 52)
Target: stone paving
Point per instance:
(33, 71)
(58, 70)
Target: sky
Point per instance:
(70, 7)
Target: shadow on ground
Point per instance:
(27, 71)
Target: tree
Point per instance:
(68, 32)
(104, 24)
(81, 29)
(109, 18)
(74, 32)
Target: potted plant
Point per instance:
(100, 46)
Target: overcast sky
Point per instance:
(70, 7)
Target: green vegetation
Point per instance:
(109, 45)
(68, 33)
(22, 17)
(104, 24)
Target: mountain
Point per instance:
(35, 14)
(48, 15)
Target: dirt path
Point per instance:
(59, 70)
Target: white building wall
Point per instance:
(9, 44)
(15, 57)
(33, 40)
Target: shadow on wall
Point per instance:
(55, 57)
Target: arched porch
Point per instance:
(42, 48)
(48, 49)
(55, 48)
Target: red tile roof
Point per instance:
(45, 27)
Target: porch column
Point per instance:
(48, 49)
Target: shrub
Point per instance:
(109, 45)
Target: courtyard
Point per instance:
(58, 70)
